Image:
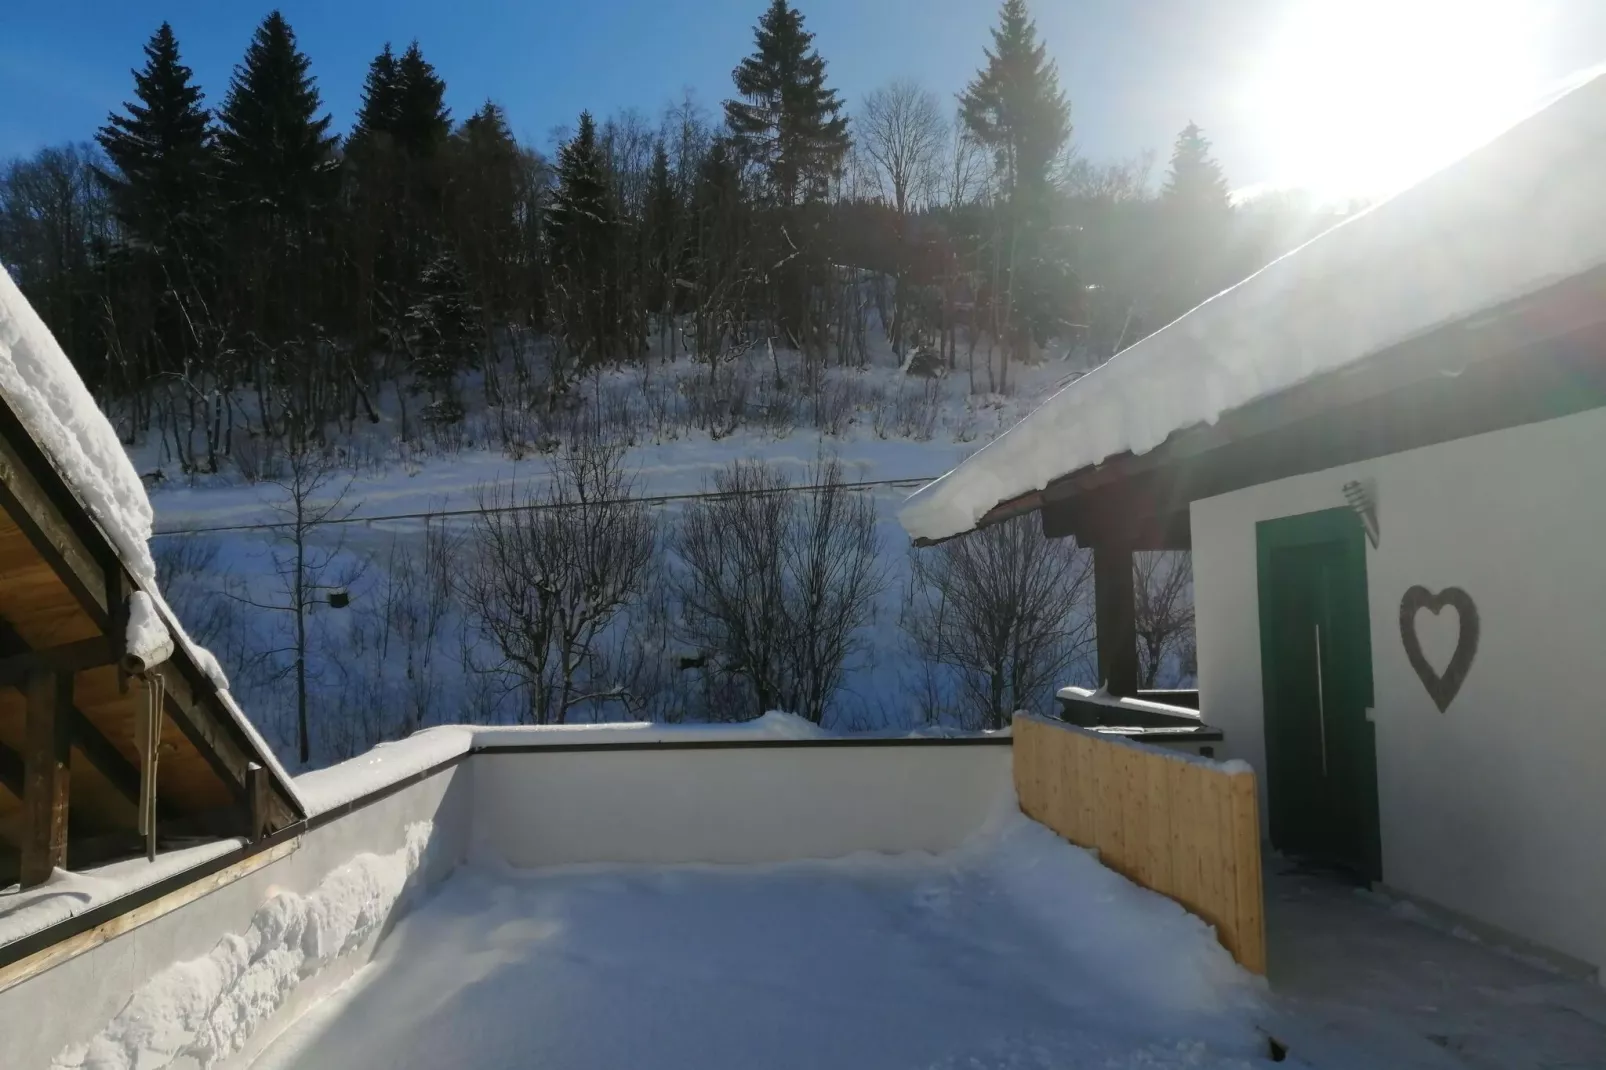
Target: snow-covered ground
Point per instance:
(1017, 950)
(898, 428)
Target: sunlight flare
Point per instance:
(1363, 97)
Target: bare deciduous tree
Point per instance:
(548, 570)
(902, 131)
(1007, 611)
(777, 585)
(310, 568)
(1163, 588)
(903, 134)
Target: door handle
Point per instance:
(1321, 700)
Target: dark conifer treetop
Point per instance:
(276, 150)
(787, 120)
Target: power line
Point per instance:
(657, 499)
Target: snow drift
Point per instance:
(208, 1008)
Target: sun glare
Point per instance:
(1358, 98)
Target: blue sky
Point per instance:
(1136, 70)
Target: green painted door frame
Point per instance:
(1316, 682)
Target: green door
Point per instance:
(1316, 680)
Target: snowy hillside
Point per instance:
(392, 521)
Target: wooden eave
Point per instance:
(1533, 359)
(63, 598)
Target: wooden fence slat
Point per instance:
(1134, 813)
(1250, 926)
(1087, 799)
(1185, 828)
(1158, 788)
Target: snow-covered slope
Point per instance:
(1521, 213)
(44, 390)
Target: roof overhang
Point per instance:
(1532, 359)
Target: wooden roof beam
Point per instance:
(88, 653)
(72, 657)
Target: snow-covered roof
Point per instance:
(44, 390)
(58, 412)
(1521, 213)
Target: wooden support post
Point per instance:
(257, 800)
(46, 757)
(1114, 611)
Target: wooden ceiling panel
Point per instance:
(183, 773)
(33, 599)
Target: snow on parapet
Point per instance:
(46, 393)
(391, 763)
(1519, 214)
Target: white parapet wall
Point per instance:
(159, 985)
(202, 969)
(768, 802)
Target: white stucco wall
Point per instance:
(1494, 808)
(765, 802)
(71, 1002)
(758, 804)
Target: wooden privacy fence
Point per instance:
(1186, 827)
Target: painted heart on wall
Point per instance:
(1442, 688)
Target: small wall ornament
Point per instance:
(1441, 688)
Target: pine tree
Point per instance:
(487, 199)
(1195, 215)
(582, 228)
(161, 150)
(1195, 184)
(377, 113)
(787, 120)
(445, 324)
(1015, 107)
(422, 120)
(662, 225)
(276, 152)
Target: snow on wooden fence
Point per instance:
(1185, 827)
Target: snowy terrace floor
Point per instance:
(1014, 951)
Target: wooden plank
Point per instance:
(1157, 790)
(1184, 860)
(47, 756)
(1214, 890)
(1087, 787)
(1249, 927)
(15, 669)
(1135, 813)
(1111, 839)
(56, 954)
(1185, 828)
